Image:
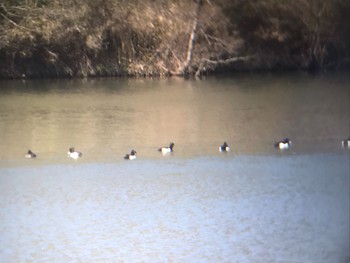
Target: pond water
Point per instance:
(253, 204)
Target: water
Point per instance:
(254, 204)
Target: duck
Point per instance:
(224, 148)
(131, 155)
(72, 153)
(346, 143)
(283, 144)
(166, 150)
(30, 154)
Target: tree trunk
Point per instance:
(191, 41)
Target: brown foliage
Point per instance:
(40, 38)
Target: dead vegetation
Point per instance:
(81, 38)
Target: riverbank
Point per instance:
(157, 38)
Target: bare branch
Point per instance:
(14, 23)
(177, 59)
(227, 61)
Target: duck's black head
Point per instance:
(286, 140)
(71, 149)
(31, 153)
(133, 152)
(171, 145)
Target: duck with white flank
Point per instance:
(72, 153)
(346, 143)
(131, 155)
(166, 150)
(283, 144)
(30, 155)
(224, 148)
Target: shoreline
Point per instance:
(159, 75)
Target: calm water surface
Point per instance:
(254, 204)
